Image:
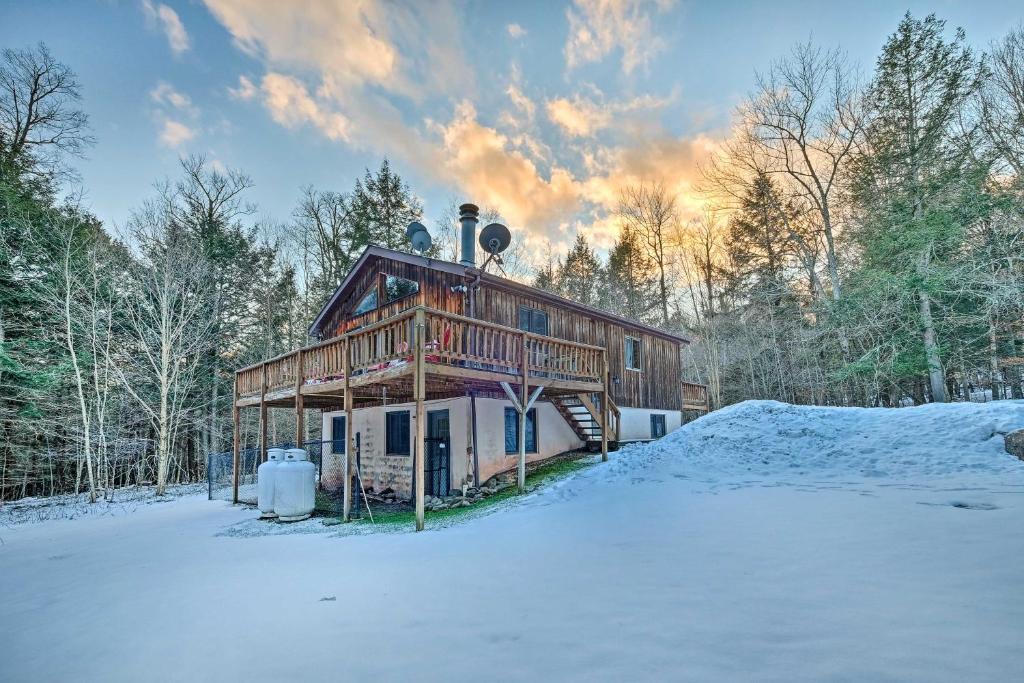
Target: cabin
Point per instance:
(438, 374)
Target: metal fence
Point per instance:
(329, 470)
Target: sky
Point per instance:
(541, 110)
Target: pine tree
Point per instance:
(581, 276)
(380, 209)
(759, 239)
(917, 181)
(632, 281)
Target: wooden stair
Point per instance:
(580, 411)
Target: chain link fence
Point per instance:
(329, 474)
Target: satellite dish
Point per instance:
(419, 237)
(495, 238)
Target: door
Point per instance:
(437, 465)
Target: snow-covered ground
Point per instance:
(763, 542)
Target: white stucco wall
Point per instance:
(554, 436)
(382, 471)
(635, 423)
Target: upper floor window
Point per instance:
(633, 353)
(368, 303)
(533, 320)
(396, 288)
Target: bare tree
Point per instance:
(805, 120)
(650, 210)
(1001, 100)
(167, 326)
(40, 119)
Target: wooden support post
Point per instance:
(300, 407)
(263, 413)
(236, 460)
(523, 398)
(346, 498)
(605, 410)
(419, 392)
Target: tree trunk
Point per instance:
(936, 379)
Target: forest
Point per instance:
(861, 244)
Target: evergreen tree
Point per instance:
(581, 276)
(380, 209)
(759, 239)
(918, 184)
(632, 281)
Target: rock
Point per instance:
(1014, 443)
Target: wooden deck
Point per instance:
(458, 353)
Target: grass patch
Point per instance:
(545, 473)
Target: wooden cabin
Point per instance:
(430, 366)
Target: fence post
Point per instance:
(236, 461)
(419, 391)
(346, 497)
(523, 398)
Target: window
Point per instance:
(396, 288)
(396, 436)
(632, 353)
(368, 303)
(533, 320)
(657, 426)
(338, 435)
(512, 431)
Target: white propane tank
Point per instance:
(265, 476)
(295, 481)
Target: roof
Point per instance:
(373, 251)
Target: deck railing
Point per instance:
(449, 339)
(695, 396)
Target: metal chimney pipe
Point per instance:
(469, 217)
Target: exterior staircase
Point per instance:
(582, 413)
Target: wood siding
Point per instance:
(657, 385)
(435, 292)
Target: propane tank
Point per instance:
(295, 482)
(265, 476)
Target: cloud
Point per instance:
(170, 24)
(246, 89)
(598, 27)
(515, 30)
(583, 117)
(175, 133)
(165, 94)
(523, 103)
(578, 118)
(484, 163)
(352, 45)
(399, 85)
(291, 105)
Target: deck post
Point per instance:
(419, 392)
(346, 498)
(236, 458)
(605, 411)
(300, 415)
(523, 397)
(263, 413)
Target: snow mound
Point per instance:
(768, 438)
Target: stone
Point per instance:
(1014, 443)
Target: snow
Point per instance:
(764, 541)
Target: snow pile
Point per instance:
(770, 439)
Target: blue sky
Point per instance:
(539, 109)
